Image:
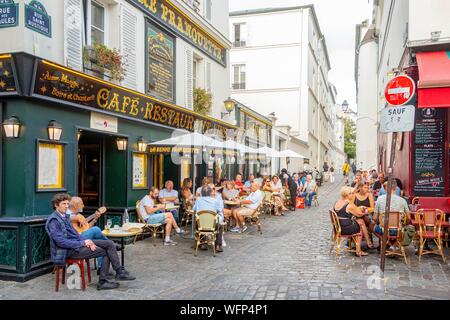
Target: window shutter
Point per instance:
(128, 46)
(208, 76)
(73, 34)
(189, 92)
(208, 4)
(244, 32)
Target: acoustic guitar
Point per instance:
(83, 224)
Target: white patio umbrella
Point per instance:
(193, 139)
(269, 152)
(291, 154)
(233, 145)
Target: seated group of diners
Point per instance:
(358, 212)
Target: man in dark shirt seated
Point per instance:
(66, 243)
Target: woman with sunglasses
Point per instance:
(278, 203)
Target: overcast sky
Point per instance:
(337, 19)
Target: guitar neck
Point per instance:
(91, 217)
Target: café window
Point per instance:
(239, 77)
(240, 35)
(96, 21)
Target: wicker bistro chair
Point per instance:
(268, 204)
(187, 214)
(287, 198)
(151, 229)
(315, 199)
(395, 234)
(430, 228)
(336, 236)
(255, 219)
(206, 229)
(80, 263)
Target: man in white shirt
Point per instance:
(169, 196)
(152, 215)
(250, 204)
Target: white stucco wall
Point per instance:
(426, 17)
(366, 124)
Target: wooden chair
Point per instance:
(255, 219)
(187, 213)
(152, 229)
(337, 236)
(395, 234)
(430, 228)
(315, 199)
(287, 198)
(206, 223)
(80, 263)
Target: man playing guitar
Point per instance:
(85, 226)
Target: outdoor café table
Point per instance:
(122, 235)
(231, 203)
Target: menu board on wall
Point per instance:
(429, 154)
(160, 63)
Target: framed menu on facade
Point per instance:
(140, 171)
(50, 166)
(160, 63)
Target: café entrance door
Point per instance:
(102, 170)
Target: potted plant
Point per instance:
(105, 61)
(202, 101)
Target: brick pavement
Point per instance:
(289, 261)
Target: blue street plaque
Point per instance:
(37, 19)
(9, 14)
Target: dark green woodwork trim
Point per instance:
(64, 164)
(18, 277)
(1, 159)
(16, 267)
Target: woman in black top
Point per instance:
(348, 213)
(364, 200)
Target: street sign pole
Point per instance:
(388, 202)
(399, 91)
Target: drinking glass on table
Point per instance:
(108, 224)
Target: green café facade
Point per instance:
(66, 131)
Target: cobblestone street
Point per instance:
(290, 260)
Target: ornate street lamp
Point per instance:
(345, 106)
(54, 130)
(142, 145)
(229, 107)
(12, 127)
(122, 144)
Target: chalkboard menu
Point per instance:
(429, 154)
(160, 63)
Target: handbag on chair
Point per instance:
(300, 203)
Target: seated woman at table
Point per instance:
(230, 193)
(348, 215)
(186, 193)
(278, 203)
(364, 201)
(298, 183)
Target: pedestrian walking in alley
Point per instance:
(332, 178)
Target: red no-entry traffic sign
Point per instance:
(400, 90)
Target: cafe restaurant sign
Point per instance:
(62, 84)
(8, 85)
(9, 14)
(173, 18)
